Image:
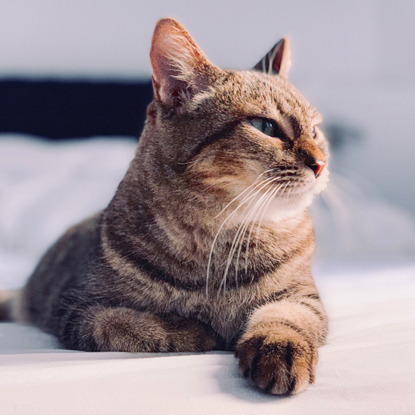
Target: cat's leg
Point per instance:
(278, 350)
(128, 330)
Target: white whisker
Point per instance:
(240, 194)
(264, 208)
(281, 190)
(245, 200)
(242, 229)
(256, 210)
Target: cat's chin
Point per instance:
(294, 203)
(290, 207)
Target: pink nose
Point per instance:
(317, 166)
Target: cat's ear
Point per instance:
(180, 68)
(277, 61)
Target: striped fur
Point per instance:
(207, 242)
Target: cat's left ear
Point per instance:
(277, 61)
(180, 68)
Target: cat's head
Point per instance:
(216, 137)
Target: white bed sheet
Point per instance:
(367, 366)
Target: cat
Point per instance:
(207, 243)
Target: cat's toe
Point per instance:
(277, 366)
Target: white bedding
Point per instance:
(367, 366)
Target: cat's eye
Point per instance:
(263, 125)
(314, 132)
(267, 127)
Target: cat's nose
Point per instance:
(317, 166)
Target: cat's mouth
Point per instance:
(295, 186)
(294, 195)
(275, 196)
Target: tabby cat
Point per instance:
(207, 242)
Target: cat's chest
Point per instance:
(224, 300)
(226, 312)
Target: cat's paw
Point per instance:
(277, 363)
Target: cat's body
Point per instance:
(207, 242)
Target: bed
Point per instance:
(366, 367)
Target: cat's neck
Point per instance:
(138, 220)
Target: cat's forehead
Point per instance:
(251, 93)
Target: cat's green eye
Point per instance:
(263, 125)
(267, 127)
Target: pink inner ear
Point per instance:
(173, 51)
(277, 60)
(174, 57)
(284, 58)
(276, 64)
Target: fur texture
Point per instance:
(207, 242)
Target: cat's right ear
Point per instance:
(180, 68)
(277, 61)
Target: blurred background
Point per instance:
(80, 69)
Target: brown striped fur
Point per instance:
(153, 271)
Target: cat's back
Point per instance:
(65, 264)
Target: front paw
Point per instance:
(278, 363)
